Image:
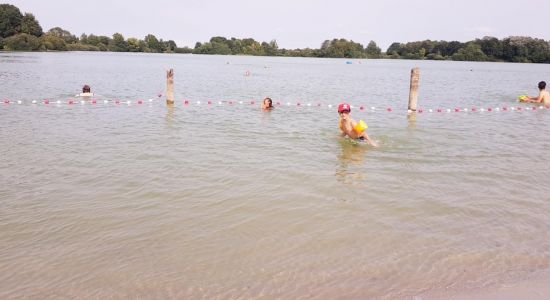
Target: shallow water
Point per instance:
(228, 202)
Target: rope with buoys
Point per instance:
(212, 103)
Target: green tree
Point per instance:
(170, 46)
(342, 48)
(30, 25)
(472, 52)
(271, 48)
(64, 34)
(373, 51)
(118, 44)
(83, 39)
(10, 20)
(133, 45)
(153, 43)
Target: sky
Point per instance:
(296, 23)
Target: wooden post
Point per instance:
(413, 93)
(170, 87)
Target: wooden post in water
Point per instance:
(413, 93)
(170, 87)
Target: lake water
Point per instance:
(225, 201)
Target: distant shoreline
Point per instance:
(245, 55)
(22, 32)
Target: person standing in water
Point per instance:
(350, 128)
(543, 97)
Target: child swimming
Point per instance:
(350, 128)
(543, 97)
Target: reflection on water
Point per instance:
(412, 120)
(352, 156)
(170, 115)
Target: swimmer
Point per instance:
(543, 97)
(267, 104)
(349, 127)
(86, 92)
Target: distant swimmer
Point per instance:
(247, 73)
(86, 92)
(350, 128)
(267, 104)
(543, 97)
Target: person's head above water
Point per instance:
(344, 108)
(86, 89)
(542, 85)
(268, 103)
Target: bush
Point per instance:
(81, 47)
(21, 42)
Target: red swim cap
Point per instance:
(343, 107)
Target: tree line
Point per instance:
(22, 32)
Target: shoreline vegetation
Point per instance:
(22, 32)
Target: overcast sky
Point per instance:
(296, 23)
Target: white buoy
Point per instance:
(19, 102)
(430, 110)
